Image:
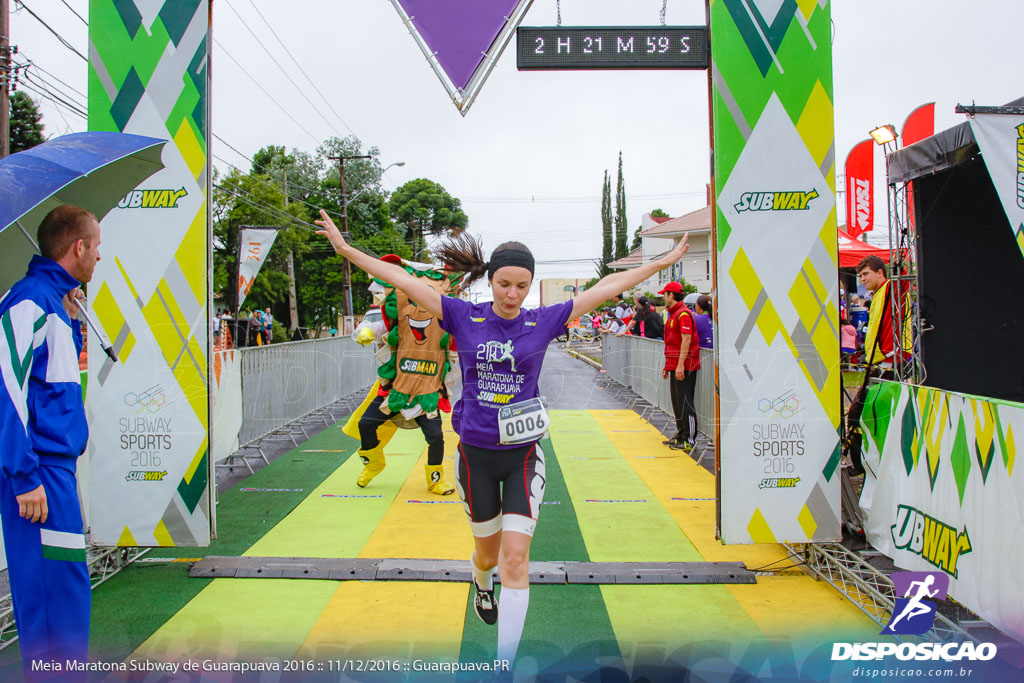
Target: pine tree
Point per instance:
(26, 126)
(621, 239)
(606, 219)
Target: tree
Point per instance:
(424, 207)
(26, 125)
(620, 215)
(606, 219)
(637, 239)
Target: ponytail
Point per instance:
(463, 254)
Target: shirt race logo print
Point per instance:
(914, 613)
(496, 352)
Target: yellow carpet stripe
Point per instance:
(269, 617)
(664, 617)
(779, 605)
(340, 527)
(420, 618)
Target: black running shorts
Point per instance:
(484, 473)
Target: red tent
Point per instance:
(851, 251)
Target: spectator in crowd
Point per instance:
(256, 328)
(43, 430)
(623, 310)
(682, 361)
(878, 348)
(702, 317)
(646, 322)
(847, 338)
(268, 326)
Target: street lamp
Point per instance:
(349, 311)
(365, 188)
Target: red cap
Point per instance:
(672, 287)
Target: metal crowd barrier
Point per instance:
(636, 362)
(284, 382)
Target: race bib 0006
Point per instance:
(523, 422)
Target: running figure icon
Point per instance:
(914, 606)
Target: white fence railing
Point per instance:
(284, 382)
(636, 362)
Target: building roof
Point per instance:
(695, 221)
(631, 260)
(661, 219)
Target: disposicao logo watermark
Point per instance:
(914, 614)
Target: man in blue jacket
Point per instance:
(43, 430)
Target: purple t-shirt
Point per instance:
(500, 359)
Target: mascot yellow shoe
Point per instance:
(373, 464)
(436, 483)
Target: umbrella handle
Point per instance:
(104, 342)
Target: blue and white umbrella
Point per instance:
(92, 170)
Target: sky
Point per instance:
(528, 160)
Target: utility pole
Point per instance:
(5, 80)
(344, 231)
(293, 307)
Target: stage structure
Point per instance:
(943, 490)
(149, 414)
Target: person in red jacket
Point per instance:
(682, 361)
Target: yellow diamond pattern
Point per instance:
(759, 530)
(126, 539)
(807, 7)
(815, 124)
(187, 359)
(807, 522)
(163, 536)
(984, 429)
(191, 255)
(934, 428)
(190, 472)
(112, 320)
(190, 149)
(1011, 450)
(750, 288)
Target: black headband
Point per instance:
(509, 257)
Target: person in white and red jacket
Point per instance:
(682, 361)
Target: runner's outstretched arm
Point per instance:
(615, 283)
(416, 289)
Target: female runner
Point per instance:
(500, 418)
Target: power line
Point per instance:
(264, 90)
(290, 55)
(51, 74)
(57, 101)
(50, 29)
(74, 12)
(42, 80)
(286, 75)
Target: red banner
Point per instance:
(860, 186)
(919, 125)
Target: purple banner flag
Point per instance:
(459, 32)
(462, 39)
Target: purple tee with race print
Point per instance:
(500, 359)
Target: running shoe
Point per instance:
(485, 604)
(685, 446)
(671, 441)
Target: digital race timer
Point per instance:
(610, 47)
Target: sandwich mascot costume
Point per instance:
(411, 391)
